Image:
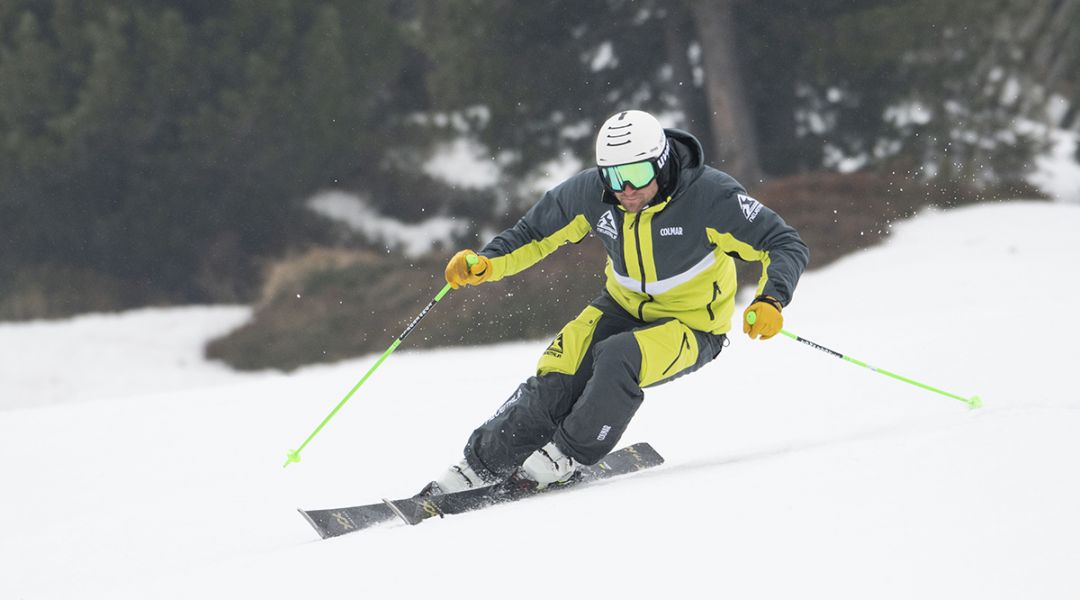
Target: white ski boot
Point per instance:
(548, 465)
(457, 478)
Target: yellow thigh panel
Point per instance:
(665, 351)
(566, 351)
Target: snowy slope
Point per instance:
(111, 355)
(790, 474)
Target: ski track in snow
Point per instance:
(133, 468)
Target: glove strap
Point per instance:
(770, 300)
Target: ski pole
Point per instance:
(972, 402)
(294, 455)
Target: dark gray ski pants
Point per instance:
(588, 386)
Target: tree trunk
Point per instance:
(678, 33)
(736, 146)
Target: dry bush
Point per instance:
(50, 292)
(838, 214)
(289, 273)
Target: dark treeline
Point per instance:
(160, 151)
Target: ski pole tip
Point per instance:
(293, 457)
(975, 402)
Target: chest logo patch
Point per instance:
(606, 225)
(665, 231)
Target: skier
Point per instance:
(670, 225)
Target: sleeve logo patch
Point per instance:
(750, 207)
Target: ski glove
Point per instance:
(767, 319)
(459, 273)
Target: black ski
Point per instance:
(333, 522)
(627, 460)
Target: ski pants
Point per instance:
(588, 386)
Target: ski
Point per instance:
(333, 522)
(416, 509)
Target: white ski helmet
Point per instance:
(628, 137)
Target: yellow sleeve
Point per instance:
(530, 253)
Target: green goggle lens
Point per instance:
(638, 175)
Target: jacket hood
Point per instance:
(690, 155)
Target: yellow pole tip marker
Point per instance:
(293, 457)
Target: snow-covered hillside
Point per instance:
(132, 469)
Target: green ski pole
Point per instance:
(972, 402)
(294, 455)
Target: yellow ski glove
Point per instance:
(763, 318)
(459, 273)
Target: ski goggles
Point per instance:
(638, 175)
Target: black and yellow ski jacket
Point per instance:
(674, 258)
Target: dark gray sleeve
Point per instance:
(557, 209)
(751, 231)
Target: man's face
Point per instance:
(634, 200)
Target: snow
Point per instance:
(134, 469)
(414, 239)
(106, 356)
(463, 162)
(1057, 172)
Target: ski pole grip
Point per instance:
(471, 260)
(751, 317)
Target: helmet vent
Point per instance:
(629, 136)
